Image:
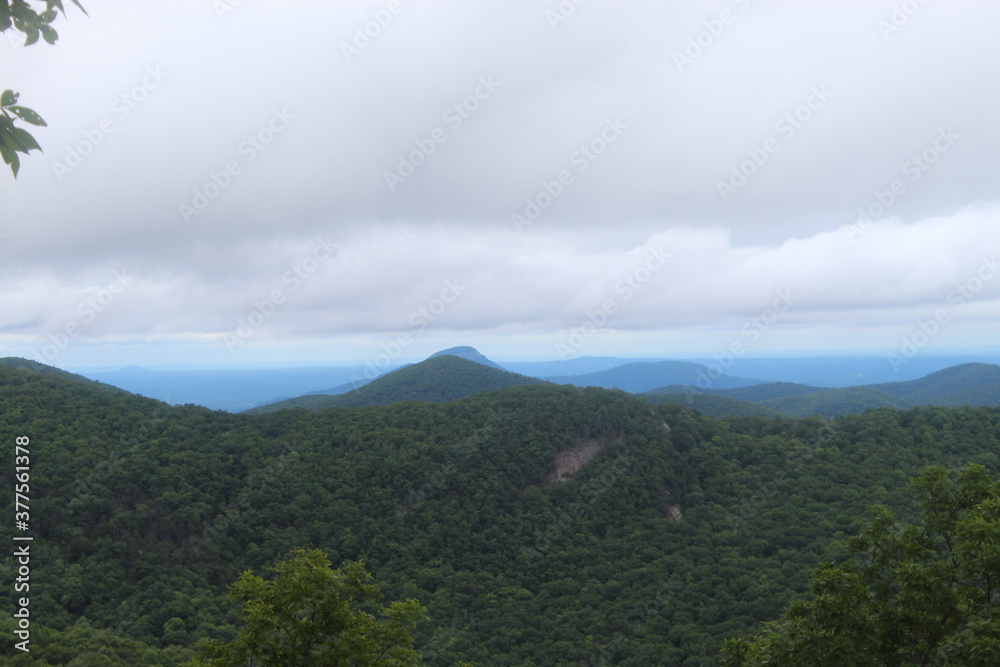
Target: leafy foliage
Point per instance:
(84, 644)
(312, 615)
(20, 15)
(13, 139)
(920, 594)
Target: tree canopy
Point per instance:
(911, 594)
(312, 615)
(682, 531)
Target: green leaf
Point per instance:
(77, 3)
(10, 139)
(26, 140)
(10, 157)
(49, 34)
(32, 34)
(22, 21)
(27, 115)
(9, 97)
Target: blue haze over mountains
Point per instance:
(240, 389)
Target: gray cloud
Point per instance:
(259, 123)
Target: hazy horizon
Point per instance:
(987, 354)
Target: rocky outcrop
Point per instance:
(570, 461)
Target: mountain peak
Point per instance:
(468, 353)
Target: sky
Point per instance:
(227, 182)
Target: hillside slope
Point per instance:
(643, 376)
(677, 531)
(435, 380)
(972, 384)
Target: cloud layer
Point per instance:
(349, 160)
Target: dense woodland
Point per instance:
(685, 530)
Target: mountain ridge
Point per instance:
(439, 378)
(973, 384)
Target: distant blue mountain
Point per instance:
(467, 353)
(643, 376)
(972, 384)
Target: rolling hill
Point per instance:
(462, 352)
(434, 380)
(26, 367)
(574, 366)
(712, 405)
(469, 354)
(643, 376)
(971, 384)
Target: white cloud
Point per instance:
(324, 175)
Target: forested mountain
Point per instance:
(643, 376)
(469, 354)
(973, 384)
(670, 532)
(27, 368)
(712, 405)
(439, 378)
(462, 352)
(966, 384)
(569, 366)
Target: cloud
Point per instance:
(172, 103)
(377, 280)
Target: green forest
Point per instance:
(682, 533)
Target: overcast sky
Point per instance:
(241, 181)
